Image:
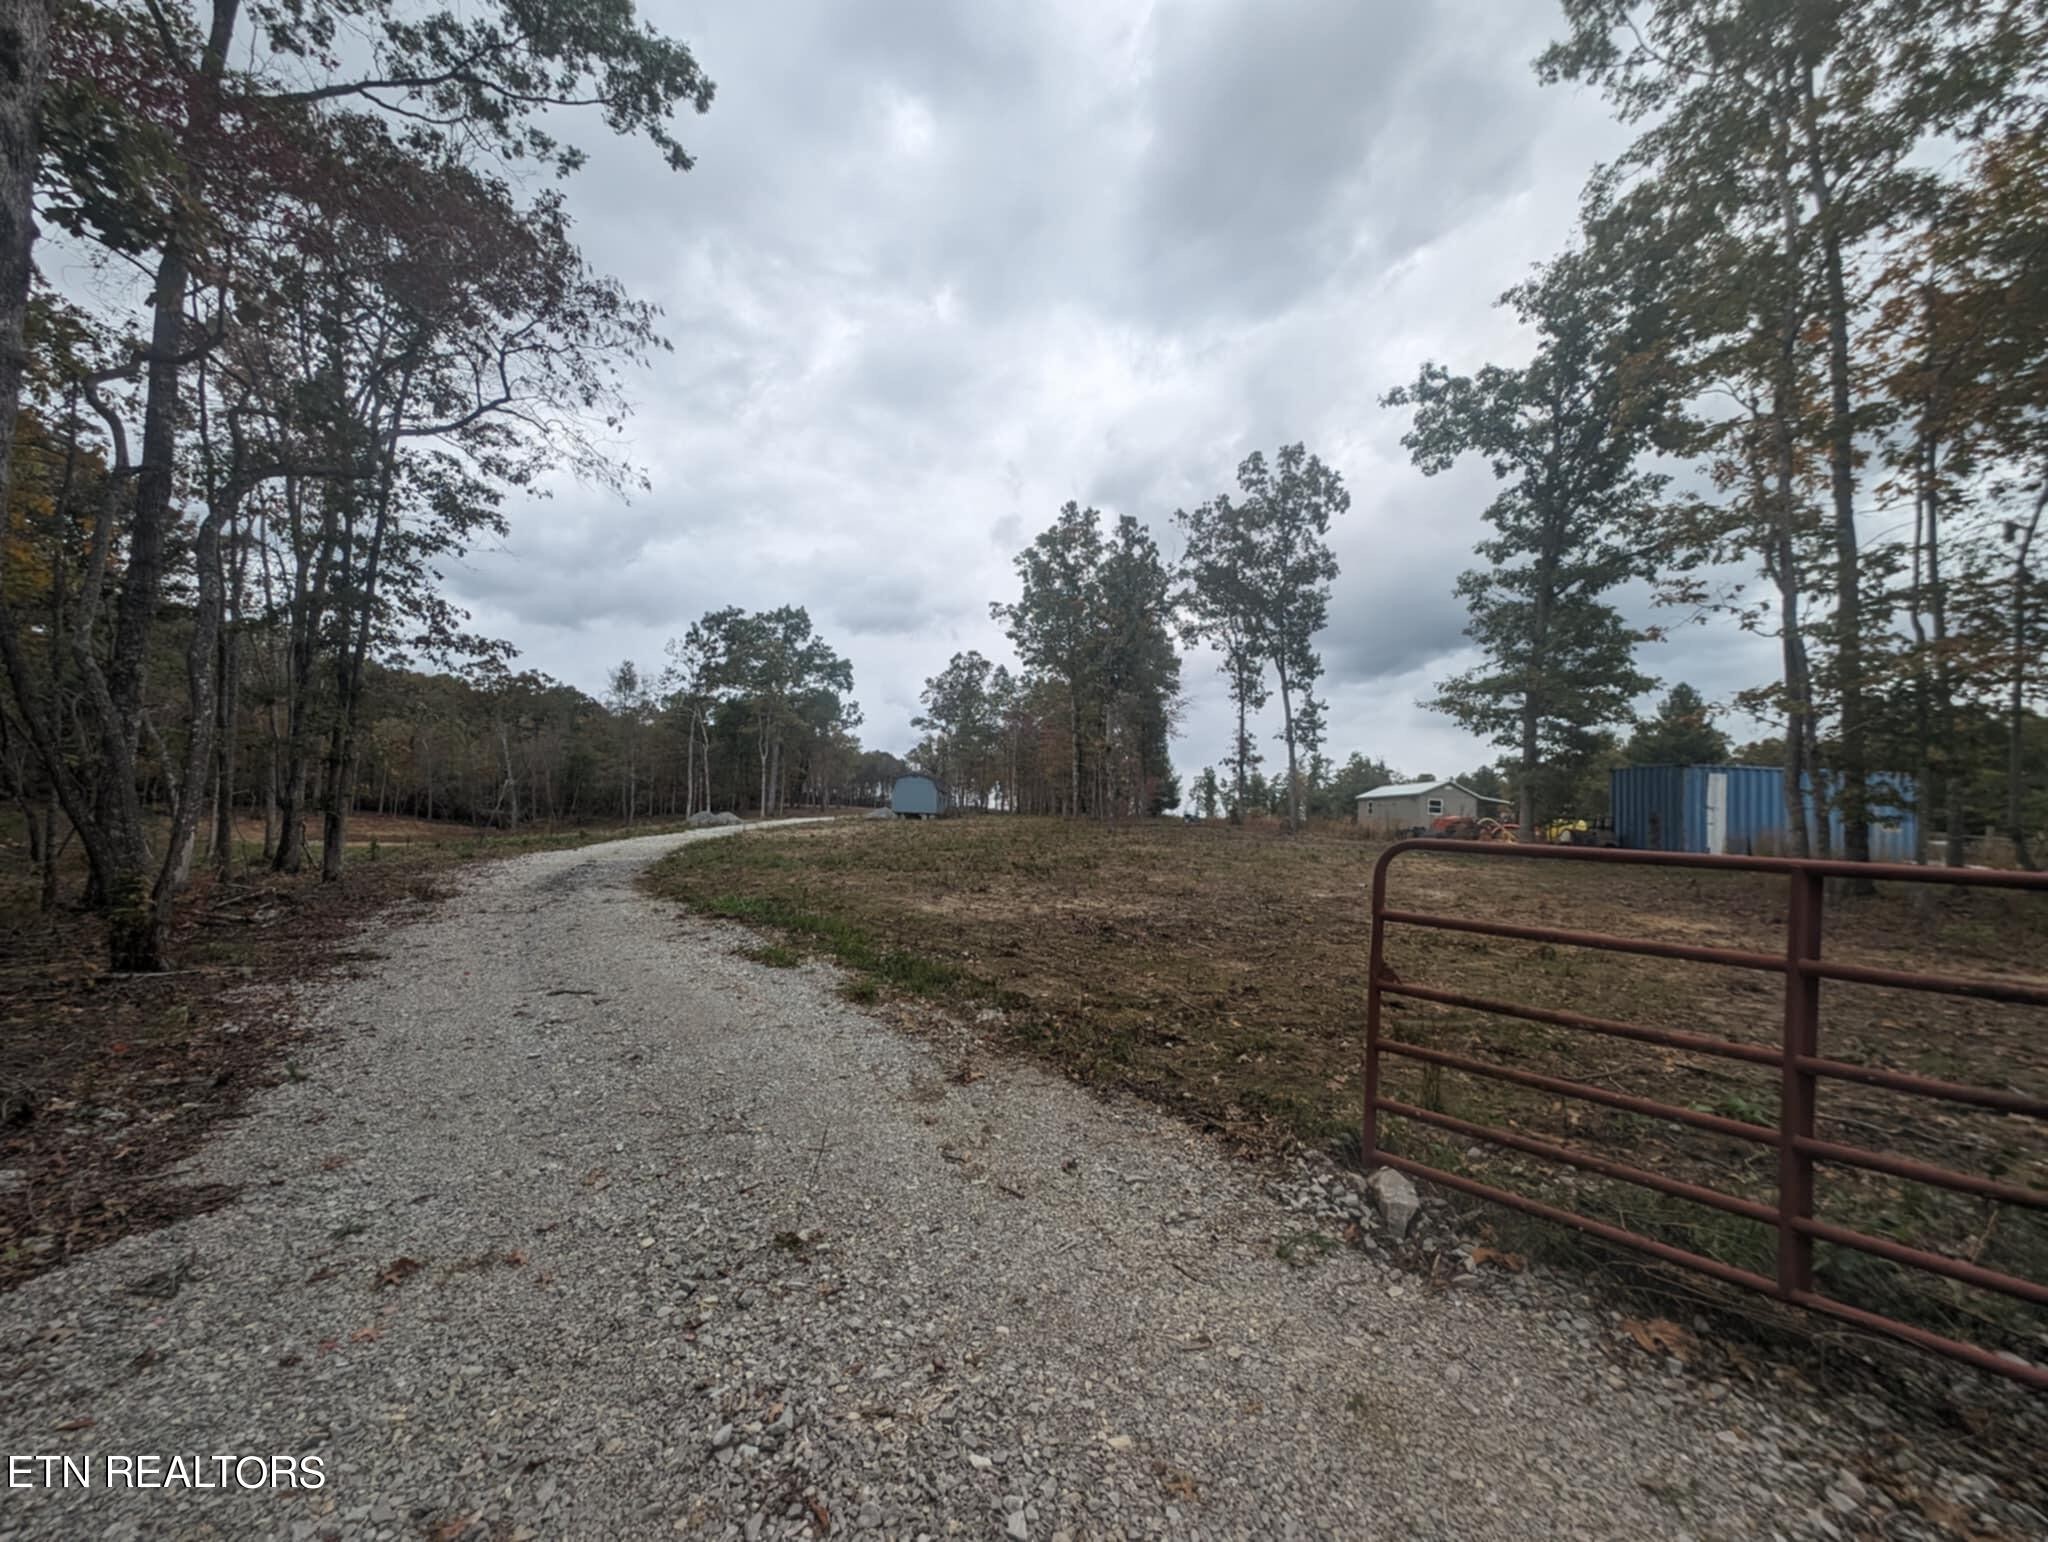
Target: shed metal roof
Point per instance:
(1417, 789)
(1412, 789)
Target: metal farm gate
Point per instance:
(1801, 1065)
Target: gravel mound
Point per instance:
(707, 820)
(583, 1226)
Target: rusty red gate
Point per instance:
(1798, 1059)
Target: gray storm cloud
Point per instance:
(942, 267)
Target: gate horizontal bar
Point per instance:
(1761, 1134)
(1934, 1263)
(1735, 958)
(1664, 1250)
(1605, 1166)
(1922, 1172)
(2019, 992)
(1756, 1054)
(1821, 867)
(2022, 1371)
(1996, 1098)
(1803, 1069)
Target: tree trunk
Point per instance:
(25, 48)
(25, 43)
(1243, 754)
(1854, 794)
(1945, 748)
(1799, 736)
(1287, 732)
(46, 900)
(1525, 790)
(690, 766)
(225, 717)
(144, 941)
(2015, 747)
(334, 801)
(1074, 743)
(138, 928)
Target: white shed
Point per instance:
(1406, 806)
(915, 796)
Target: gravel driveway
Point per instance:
(581, 1225)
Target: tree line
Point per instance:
(336, 321)
(1082, 727)
(747, 712)
(1790, 374)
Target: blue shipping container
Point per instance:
(1741, 809)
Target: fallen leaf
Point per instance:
(1514, 1263)
(1951, 1518)
(398, 1271)
(366, 1335)
(1659, 1334)
(84, 1423)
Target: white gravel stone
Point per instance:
(1396, 1198)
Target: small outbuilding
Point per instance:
(916, 797)
(1406, 806)
(1741, 810)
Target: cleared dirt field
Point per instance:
(1223, 973)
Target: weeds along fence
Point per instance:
(1794, 1140)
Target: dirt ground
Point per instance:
(1222, 972)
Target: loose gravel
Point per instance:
(583, 1225)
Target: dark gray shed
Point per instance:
(916, 796)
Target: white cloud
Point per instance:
(942, 267)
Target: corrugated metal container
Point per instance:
(1648, 807)
(1894, 827)
(1742, 809)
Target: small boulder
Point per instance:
(710, 821)
(1396, 1198)
(882, 813)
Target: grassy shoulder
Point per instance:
(1222, 972)
(105, 1081)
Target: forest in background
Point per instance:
(1791, 375)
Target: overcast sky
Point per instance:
(943, 266)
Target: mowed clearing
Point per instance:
(1222, 972)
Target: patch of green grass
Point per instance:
(892, 968)
(1734, 1105)
(1303, 1248)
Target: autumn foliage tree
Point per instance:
(335, 272)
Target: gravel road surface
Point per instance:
(581, 1225)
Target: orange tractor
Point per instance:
(1464, 827)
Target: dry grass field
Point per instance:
(1222, 972)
